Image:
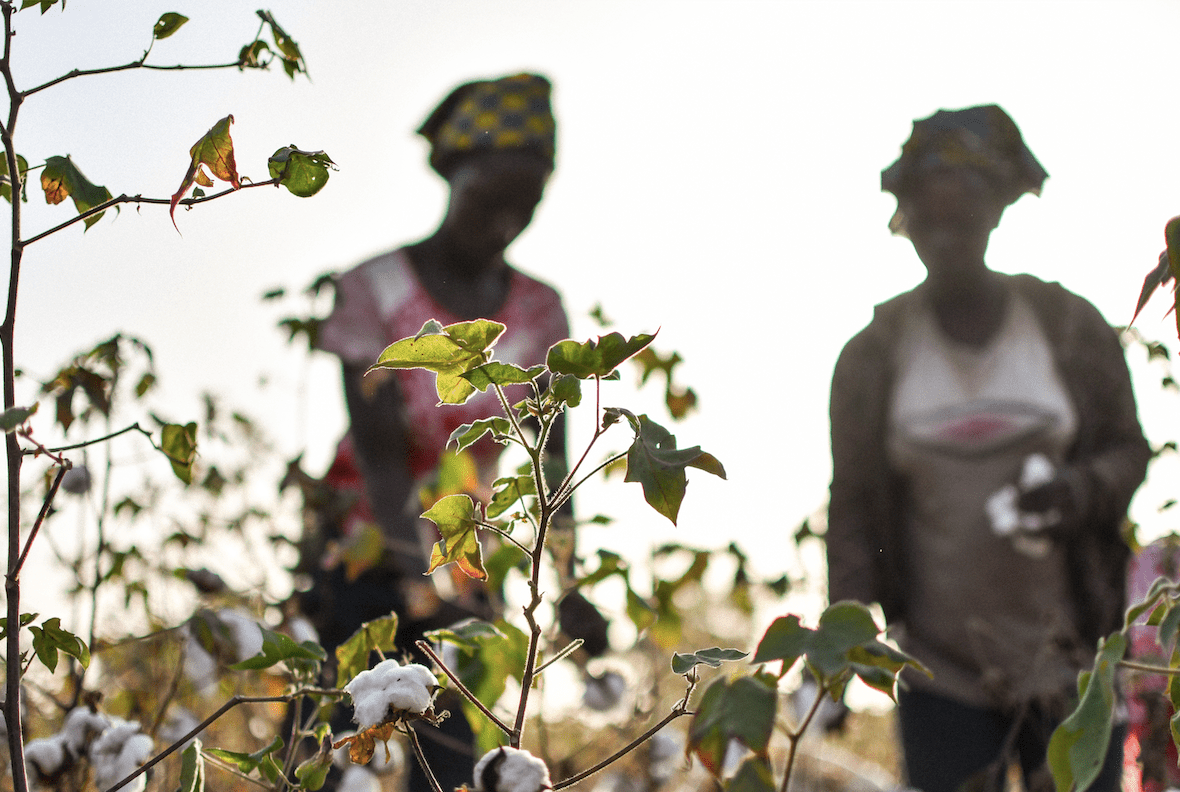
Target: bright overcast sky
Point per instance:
(718, 178)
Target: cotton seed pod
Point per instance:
(511, 770)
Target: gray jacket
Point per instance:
(866, 544)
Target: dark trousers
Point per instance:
(946, 744)
(339, 608)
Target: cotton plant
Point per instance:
(118, 752)
(384, 698)
(114, 747)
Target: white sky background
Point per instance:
(718, 177)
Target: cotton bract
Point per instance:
(511, 770)
(390, 686)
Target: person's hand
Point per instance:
(1061, 501)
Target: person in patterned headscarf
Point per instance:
(493, 141)
(985, 447)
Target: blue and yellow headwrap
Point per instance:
(509, 114)
(984, 138)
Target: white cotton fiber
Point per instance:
(45, 756)
(245, 632)
(80, 727)
(118, 752)
(358, 778)
(511, 770)
(390, 686)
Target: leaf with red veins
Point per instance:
(214, 151)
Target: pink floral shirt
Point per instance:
(381, 301)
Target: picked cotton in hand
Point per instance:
(389, 685)
(511, 770)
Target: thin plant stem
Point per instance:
(680, 710)
(224, 708)
(428, 650)
(795, 736)
(421, 757)
(40, 520)
(139, 199)
(12, 698)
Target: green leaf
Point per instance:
(454, 351)
(277, 648)
(304, 173)
(14, 417)
(786, 640)
(25, 620)
(192, 768)
(641, 614)
(22, 167)
(352, 656)
(489, 374)
(262, 760)
(50, 638)
(755, 775)
(508, 492)
(1078, 746)
(594, 358)
(842, 626)
(313, 771)
(467, 434)
(683, 663)
(566, 389)
(455, 517)
(293, 62)
(654, 461)
(179, 444)
(61, 179)
(743, 710)
(45, 4)
(168, 24)
(488, 655)
(250, 56)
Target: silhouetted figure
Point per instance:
(985, 447)
(494, 143)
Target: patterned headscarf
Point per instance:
(512, 113)
(984, 138)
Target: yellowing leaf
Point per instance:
(61, 179)
(214, 151)
(455, 518)
(179, 444)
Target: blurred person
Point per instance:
(493, 141)
(985, 447)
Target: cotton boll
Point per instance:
(511, 770)
(178, 723)
(604, 692)
(1002, 511)
(246, 634)
(1037, 470)
(199, 666)
(46, 757)
(302, 631)
(390, 686)
(118, 752)
(81, 726)
(358, 778)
